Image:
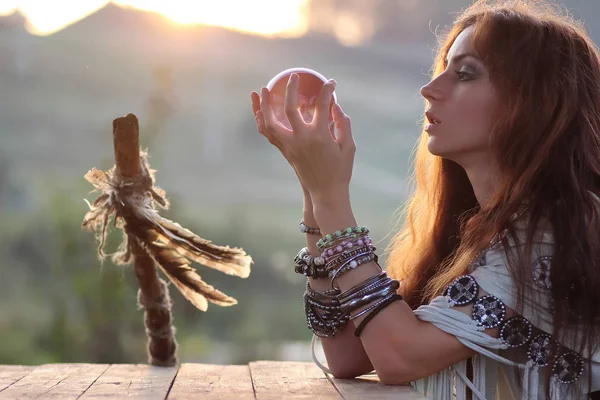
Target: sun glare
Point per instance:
(264, 17)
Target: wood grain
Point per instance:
(9, 374)
(64, 381)
(212, 382)
(290, 380)
(368, 387)
(137, 381)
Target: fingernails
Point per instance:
(294, 78)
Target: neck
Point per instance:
(483, 180)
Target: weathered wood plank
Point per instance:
(10, 374)
(65, 381)
(290, 380)
(137, 381)
(368, 387)
(212, 382)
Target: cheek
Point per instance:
(476, 117)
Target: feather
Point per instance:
(231, 261)
(173, 247)
(178, 269)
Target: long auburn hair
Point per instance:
(546, 141)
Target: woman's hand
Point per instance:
(322, 161)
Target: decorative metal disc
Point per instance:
(489, 311)
(540, 348)
(567, 367)
(516, 331)
(463, 290)
(541, 272)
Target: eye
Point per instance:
(464, 75)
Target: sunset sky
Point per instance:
(265, 17)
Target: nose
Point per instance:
(432, 90)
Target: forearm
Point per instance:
(346, 356)
(384, 334)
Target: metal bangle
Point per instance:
(372, 306)
(343, 295)
(376, 287)
(358, 302)
(368, 288)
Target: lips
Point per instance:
(432, 118)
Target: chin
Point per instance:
(435, 147)
(438, 150)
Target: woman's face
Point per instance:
(462, 102)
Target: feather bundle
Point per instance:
(131, 203)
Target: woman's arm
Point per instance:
(400, 346)
(346, 356)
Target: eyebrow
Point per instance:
(459, 57)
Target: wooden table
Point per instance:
(258, 380)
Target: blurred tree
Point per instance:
(160, 106)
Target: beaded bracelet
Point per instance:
(332, 321)
(328, 312)
(333, 262)
(331, 238)
(309, 266)
(306, 229)
(326, 325)
(352, 264)
(326, 295)
(345, 245)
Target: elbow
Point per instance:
(349, 372)
(342, 374)
(392, 379)
(395, 374)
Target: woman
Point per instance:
(499, 257)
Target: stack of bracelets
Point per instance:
(328, 313)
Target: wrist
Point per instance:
(332, 217)
(330, 198)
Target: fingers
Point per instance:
(255, 97)
(267, 111)
(262, 129)
(344, 129)
(323, 103)
(266, 123)
(291, 103)
(260, 122)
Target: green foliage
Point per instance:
(70, 307)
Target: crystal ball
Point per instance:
(309, 87)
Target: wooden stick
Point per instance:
(126, 138)
(153, 294)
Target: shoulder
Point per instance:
(509, 261)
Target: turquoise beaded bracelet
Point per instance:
(331, 238)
